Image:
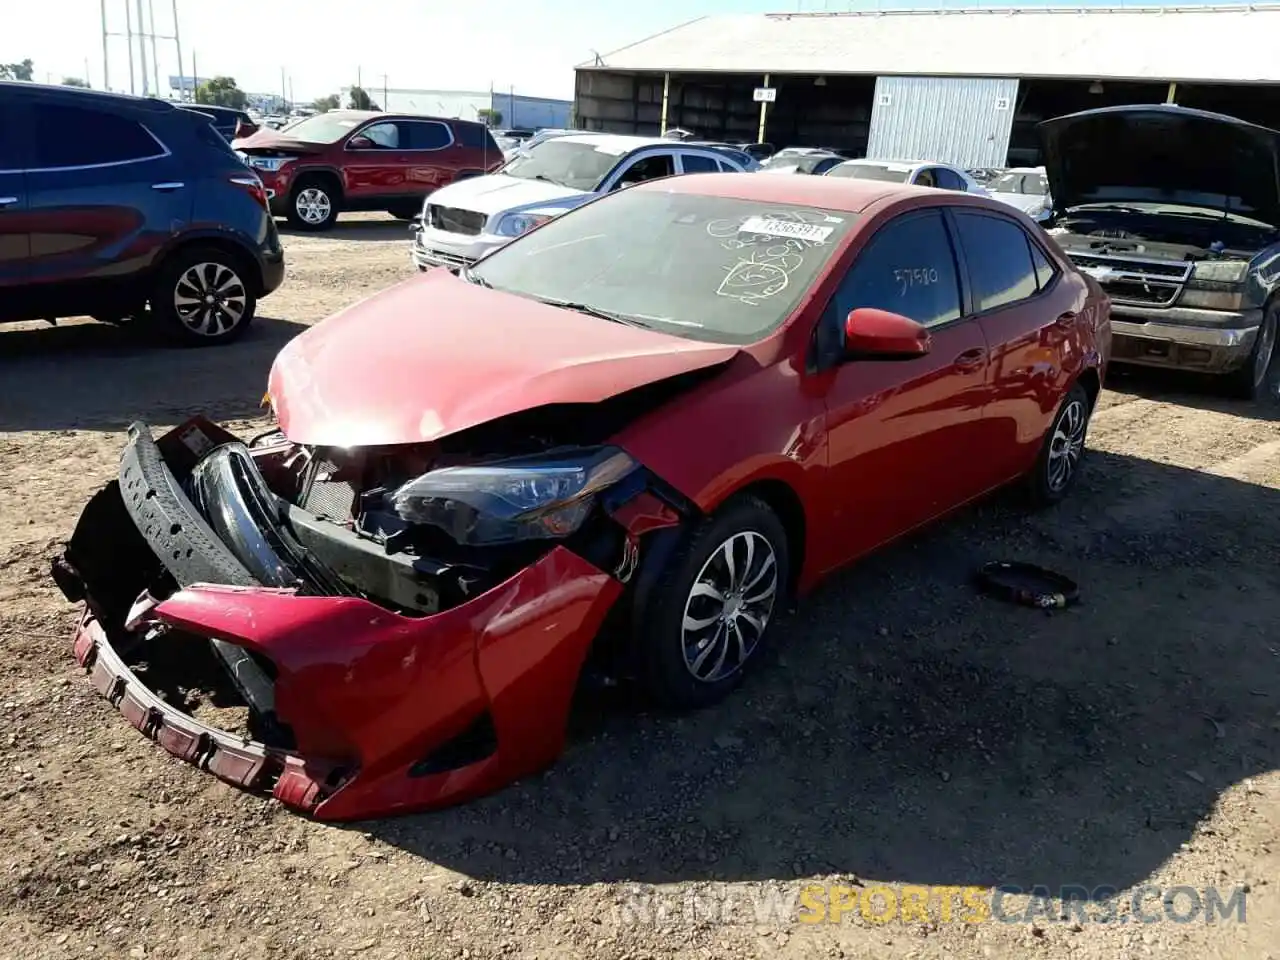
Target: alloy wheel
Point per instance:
(209, 299)
(1266, 349)
(1067, 445)
(729, 606)
(313, 205)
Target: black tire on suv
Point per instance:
(203, 296)
(315, 202)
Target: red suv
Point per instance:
(364, 160)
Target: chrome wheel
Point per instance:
(1266, 349)
(313, 205)
(729, 606)
(210, 299)
(1067, 444)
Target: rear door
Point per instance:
(1028, 310)
(15, 225)
(433, 156)
(106, 194)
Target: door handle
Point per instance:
(8, 201)
(1066, 320)
(971, 358)
(166, 187)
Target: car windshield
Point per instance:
(707, 268)
(869, 171)
(323, 128)
(579, 165)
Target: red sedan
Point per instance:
(633, 434)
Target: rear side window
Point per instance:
(694, 163)
(426, 135)
(907, 268)
(1045, 271)
(999, 257)
(76, 137)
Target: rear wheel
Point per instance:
(1253, 380)
(203, 297)
(314, 203)
(1057, 466)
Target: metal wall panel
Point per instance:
(964, 121)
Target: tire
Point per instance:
(180, 307)
(314, 203)
(696, 668)
(1047, 483)
(1251, 381)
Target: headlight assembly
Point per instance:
(1220, 271)
(270, 164)
(546, 497)
(514, 224)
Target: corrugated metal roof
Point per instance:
(1227, 44)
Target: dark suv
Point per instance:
(364, 160)
(122, 208)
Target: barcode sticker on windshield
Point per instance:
(785, 228)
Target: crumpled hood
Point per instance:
(268, 139)
(436, 355)
(497, 193)
(1163, 154)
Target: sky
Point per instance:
(309, 48)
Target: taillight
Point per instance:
(253, 186)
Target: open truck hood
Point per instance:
(436, 355)
(1163, 154)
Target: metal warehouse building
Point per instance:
(960, 86)
(517, 110)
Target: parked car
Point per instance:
(943, 176)
(669, 411)
(229, 122)
(1023, 187)
(548, 133)
(733, 151)
(124, 208)
(364, 160)
(462, 223)
(1176, 212)
(518, 135)
(806, 160)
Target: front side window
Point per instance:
(907, 268)
(383, 136)
(869, 171)
(998, 253)
(578, 165)
(12, 148)
(424, 135)
(647, 168)
(77, 137)
(925, 178)
(707, 268)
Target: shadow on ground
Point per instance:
(91, 376)
(347, 229)
(1195, 390)
(911, 731)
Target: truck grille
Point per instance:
(1145, 283)
(454, 220)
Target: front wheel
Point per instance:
(203, 297)
(1252, 381)
(314, 204)
(709, 615)
(1062, 451)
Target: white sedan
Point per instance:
(919, 172)
(462, 222)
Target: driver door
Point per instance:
(904, 436)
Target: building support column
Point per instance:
(1173, 93)
(666, 95)
(764, 112)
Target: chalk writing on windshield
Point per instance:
(769, 249)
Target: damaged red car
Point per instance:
(630, 438)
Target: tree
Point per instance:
(74, 82)
(221, 92)
(490, 117)
(358, 99)
(325, 104)
(16, 71)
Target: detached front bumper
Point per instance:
(381, 713)
(1209, 341)
(439, 248)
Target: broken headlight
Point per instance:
(545, 497)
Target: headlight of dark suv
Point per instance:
(546, 497)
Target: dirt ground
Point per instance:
(907, 731)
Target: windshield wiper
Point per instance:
(545, 179)
(591, 311)
(467, 275)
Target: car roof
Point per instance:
(84, 95)
(619, 142)
(386, 115)
(833, 193)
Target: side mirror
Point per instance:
(1043, 215)
(360, 143)
(872, 334)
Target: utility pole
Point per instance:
(384, 92)
(142, 50)
(177, 44)
(128, 34)
(106, 66)
(87, 81)
(155, 60)
(284, 90)
(195, 76)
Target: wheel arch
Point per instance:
(222, 241)
(332, 174)
(1091, 380)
